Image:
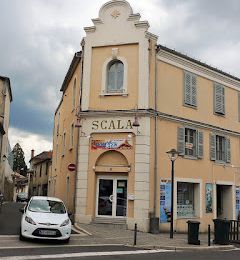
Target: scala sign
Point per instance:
(71, 167)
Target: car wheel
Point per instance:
(66, 241)
(21, 237)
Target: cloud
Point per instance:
(39, 38)
(29, 141)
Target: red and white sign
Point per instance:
(71, 167)
(116, 144)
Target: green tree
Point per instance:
(19, 164)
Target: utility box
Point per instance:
(193, 232)
(154, 224)
(221, 231)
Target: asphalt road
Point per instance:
(10, 218)
(113, 252)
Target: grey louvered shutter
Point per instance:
(219, 99)
(212, 146)
(194, 90)
(228, 150)
(223, 100)
(187, 88)
(200, 145)
(181, 140)
(239, 107)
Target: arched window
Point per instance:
(115, 71)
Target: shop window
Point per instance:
(185, 199)
(115, 73)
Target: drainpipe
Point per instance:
(78, 133)
(155, 136)
(154, 220)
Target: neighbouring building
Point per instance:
(136, 100)
(20, 184)
(6, 183)
(40, 169)
(62, 181)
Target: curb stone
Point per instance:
(82, 230)
(190, 248)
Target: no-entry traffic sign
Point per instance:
(71, 167)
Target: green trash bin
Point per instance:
(193, 232)
(221, 231)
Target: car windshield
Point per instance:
(47, 206)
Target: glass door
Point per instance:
(111, 197)
(121, 194)
(105, 197)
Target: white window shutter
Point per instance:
(228, 150)
(181, 140)
(212, 146)
(200, 144)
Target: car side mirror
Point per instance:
(21, 210)
(69, 213)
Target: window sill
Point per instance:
(219, 114)
(222, 163)
(113, 94)
(187, 217)
(190, 157)
(190, 106)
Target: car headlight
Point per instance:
(65, 222)
(29, 220)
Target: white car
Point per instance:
(45, 218)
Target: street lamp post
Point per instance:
(172, 154)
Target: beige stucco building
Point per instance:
(39, 172)
(137, 100)
(65, 139)
(6, 183)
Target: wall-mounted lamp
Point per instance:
(136, 122)
(78, 123)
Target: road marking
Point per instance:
(85, 254)
(60, 245)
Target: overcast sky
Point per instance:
(39, 37)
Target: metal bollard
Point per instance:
(135, 234)
(209, 235)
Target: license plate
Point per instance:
(47, 232)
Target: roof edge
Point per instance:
(75, 61)
(184, 56)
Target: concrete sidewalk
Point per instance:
(108, 234)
